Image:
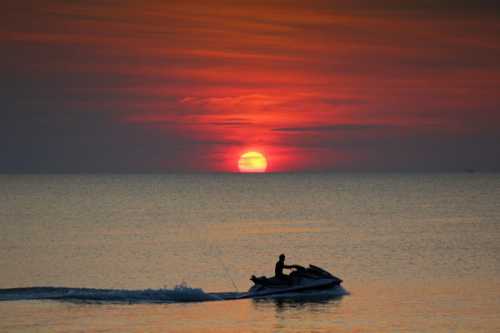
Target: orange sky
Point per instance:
(190, 86)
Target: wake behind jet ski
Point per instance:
(312, 278)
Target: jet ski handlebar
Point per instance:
(299, 268)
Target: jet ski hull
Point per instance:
(302, 281)
(316, 285)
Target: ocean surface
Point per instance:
(166, 253)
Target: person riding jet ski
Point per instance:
(278, 270)
(279, 277)
(301, 279)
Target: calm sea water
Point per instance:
(417, 252)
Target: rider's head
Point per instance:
(282, 257)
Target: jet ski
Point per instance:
(312, 278)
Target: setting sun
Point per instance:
(252, 161)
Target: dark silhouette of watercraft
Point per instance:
(302, 280)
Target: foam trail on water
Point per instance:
(181, 293)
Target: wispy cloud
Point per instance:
(334, 128)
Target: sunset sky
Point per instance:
(189, 86)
